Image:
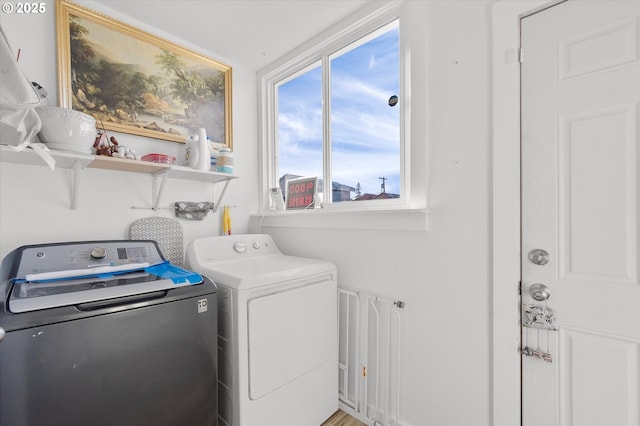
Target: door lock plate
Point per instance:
(540, 317)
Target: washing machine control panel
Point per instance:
(66, 256)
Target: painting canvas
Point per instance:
(134, 82)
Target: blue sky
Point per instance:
(365, 129)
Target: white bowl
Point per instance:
(67, 126)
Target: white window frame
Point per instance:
(323, 56)
(405, 213)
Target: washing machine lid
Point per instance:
(258, 271)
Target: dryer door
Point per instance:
(291, 332)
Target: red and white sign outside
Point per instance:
(301, 193)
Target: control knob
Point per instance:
(98, 253)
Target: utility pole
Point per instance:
(383, 179)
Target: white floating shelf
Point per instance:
(181, 172)
(64, 160)
(75, 162)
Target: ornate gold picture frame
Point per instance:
(134, 82)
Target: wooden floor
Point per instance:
(340, 418)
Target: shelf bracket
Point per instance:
(73, 183)
(157, 191)
(216, 203)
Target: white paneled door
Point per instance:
(581, 214)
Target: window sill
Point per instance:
(406, 219)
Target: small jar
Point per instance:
(214, 159)
(225, 161)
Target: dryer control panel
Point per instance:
(257, 244)
(214, 249)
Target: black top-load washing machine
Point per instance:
(105, 333)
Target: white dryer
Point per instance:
(277, 331)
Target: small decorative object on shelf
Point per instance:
(159, 158)
(225, 161)
(104, 145)
(110, 147)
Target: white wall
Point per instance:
(442, 274)
(34, 205)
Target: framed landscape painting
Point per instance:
(134, 82)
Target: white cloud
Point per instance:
(372, 62)
(293, 128)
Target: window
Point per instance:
(365, 119)
(336, 115)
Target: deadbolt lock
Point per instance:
(539, 256)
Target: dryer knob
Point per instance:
(240, 247)
(256, 245)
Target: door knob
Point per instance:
(539, 292)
